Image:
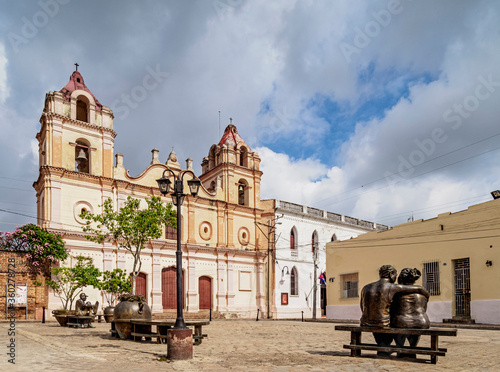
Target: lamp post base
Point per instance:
(180, 344)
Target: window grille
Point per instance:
(350, 285)
(430, 277)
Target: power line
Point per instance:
(15, 188)
(428, 209)
(408, 178)
(419, 242)
(15, 179)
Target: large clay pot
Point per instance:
(130, 307)
(109, 313)
(62, 316)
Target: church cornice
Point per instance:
(163, 244)
(81, 123)
(47, 170)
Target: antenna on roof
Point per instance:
(219, 126)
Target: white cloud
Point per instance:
(4, 88)
(276, 58)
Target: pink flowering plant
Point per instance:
(41, 248)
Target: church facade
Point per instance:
(223, 250)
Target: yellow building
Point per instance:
(457, 253)
(222, 258)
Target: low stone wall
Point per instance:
(14, 268)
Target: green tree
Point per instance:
(130, 227)
(114, 283)
(41, 248)
(69, 281)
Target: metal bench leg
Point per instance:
(434, 346)
(198, 335)
(355, 340)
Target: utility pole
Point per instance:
(271, 241)
(315, 262)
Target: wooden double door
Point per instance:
(169, 289)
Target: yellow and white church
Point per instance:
(224, 252)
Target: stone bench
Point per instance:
(80, 321)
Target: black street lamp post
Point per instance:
(178, 198)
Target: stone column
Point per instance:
(120, 259)
(55, 212)
(191, 221)
(230, 281)
(156, 293)
(260, 295)
(107, 256)
(221, 241)
(221, 285)
(193, 304)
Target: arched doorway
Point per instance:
(169, 287)
(205, 292)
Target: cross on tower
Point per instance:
(230, 120)
(76, 65)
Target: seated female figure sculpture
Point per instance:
(408, 310)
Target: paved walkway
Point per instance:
(232, 345)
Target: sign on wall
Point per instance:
(284, 298)
(21, 295)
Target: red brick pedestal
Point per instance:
(180, 344)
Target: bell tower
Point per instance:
(76, 130)
(76, 138)
(233, 167)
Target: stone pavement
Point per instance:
(236, 345)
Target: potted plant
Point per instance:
(68, 283)
(113, 284)
(130, 228)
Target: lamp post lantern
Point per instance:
(176, 349)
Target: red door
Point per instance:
(169, 287)
(205, 292)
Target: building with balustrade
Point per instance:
(296, 236)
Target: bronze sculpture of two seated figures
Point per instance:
(385, 303)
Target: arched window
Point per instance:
(334, 237)
(82, 157)
(314, 241)
(243, 157)
(211, 158)
(82, 109)
(293, 242)
(170, 232)
(294, 282)
(242, 192)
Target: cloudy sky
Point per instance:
(380, 110)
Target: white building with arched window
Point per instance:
(298, 231)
